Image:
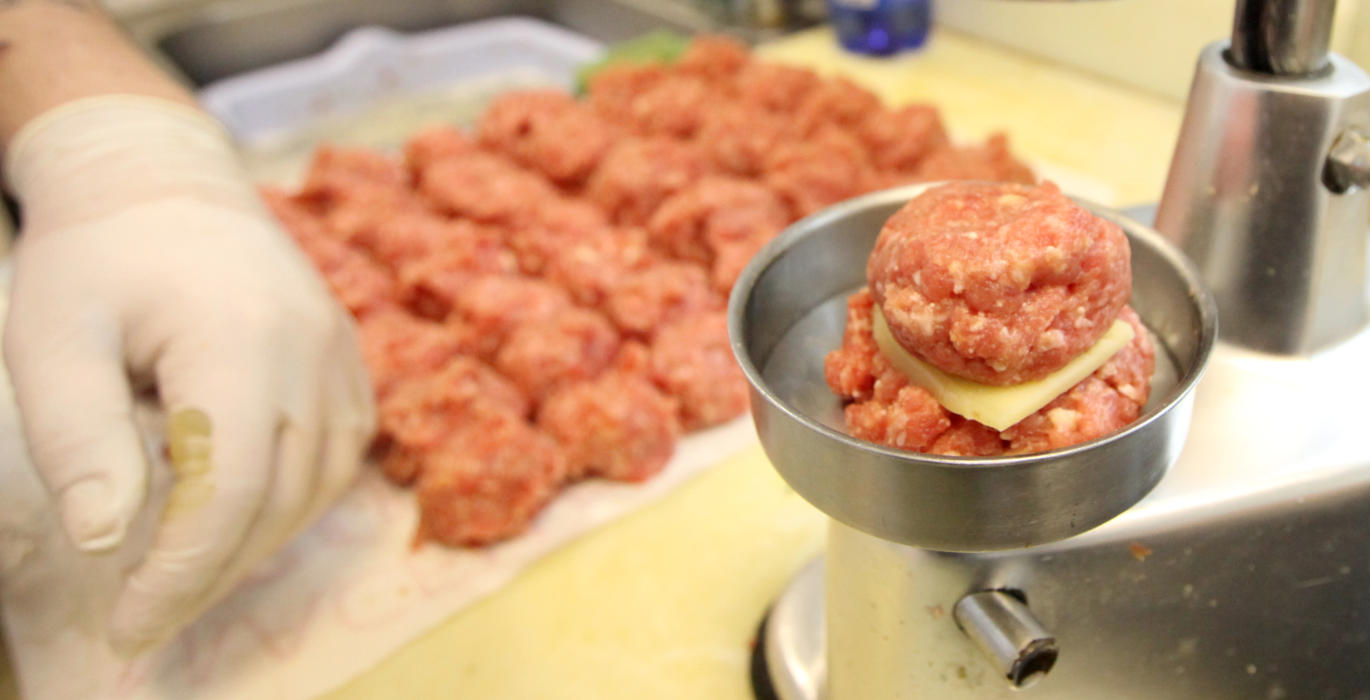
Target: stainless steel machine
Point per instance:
(1238, 563)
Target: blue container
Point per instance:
(880, 27)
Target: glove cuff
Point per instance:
(96, 156)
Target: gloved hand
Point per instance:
(147, 262)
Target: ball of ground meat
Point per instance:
(591, 268)
(612, 91)
(355, 214)
(335, 170)
(823, 169)
(429, 284)
(998, 283)
(899, 140)
(636, 175)
(397, 346)
(484, 187)
(361, 286)
(693, 362)
(618, 426)
(574, 344)
(774, 86)
(547, 131)
(673, 107)
(354, 280)
(719, 222)
(713, 57)
(738, 138)
(432, 145)
(694, 221)
(837, 102)
(991, 162)
(421, 409)
(648, 298)
(555, 224)
(495, 304)
(487, 481)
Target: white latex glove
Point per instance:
(147, 262)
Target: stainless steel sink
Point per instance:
(213, 39)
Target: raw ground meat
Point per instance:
(998, 283)
(613, 90)
(527, 247)
(713, 58)
(718, 222)
(572, 345)
(899, 140)
(738, 138)
(398, 346)
(432, 145)
(547, 131)
(592, 268)
(487, 481)
(495, 304)
(659, 294)
(673, 106)
(885, 408)
(637, 174)
(823, 169)
(851, 369)
(692, 360)
(1107, 400)
(430, 283)
(337, 171)
(484, 187)
(420, 410)
(619, 426)
(715, 210)
(554, 226)
(358, 283)
(775, 87)
(991, 162)
(837, 102)
(903, 415)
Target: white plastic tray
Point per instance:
(371, 66)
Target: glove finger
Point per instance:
(350, 426)
(295, 478)
(223, 429)
(77, 414)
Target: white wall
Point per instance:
(1151, 44)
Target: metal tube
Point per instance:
(1003, 627)
(1282, 37)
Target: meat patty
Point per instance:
(999, 283)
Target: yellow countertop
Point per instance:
(664, 603)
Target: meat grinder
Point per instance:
(1215, 548)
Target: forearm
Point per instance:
(56, 51)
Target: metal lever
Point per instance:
(1003, 627)
(1282, 37)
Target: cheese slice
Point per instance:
(998, 406)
